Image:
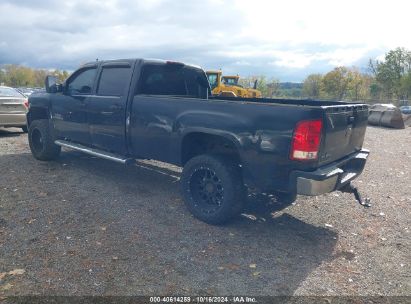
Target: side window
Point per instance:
(113, 81)
(162, 80)
(173, 81)
(82, 83)
(212, 79)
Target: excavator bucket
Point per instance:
(386, 115)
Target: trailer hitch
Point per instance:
(349, 188)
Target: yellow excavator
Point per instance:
(228, 86)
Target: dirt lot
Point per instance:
(87, 226)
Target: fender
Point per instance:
(39, 107)
(206, 121)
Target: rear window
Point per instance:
(173, 80)
(9, 92)
(114, 81)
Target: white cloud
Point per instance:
(293, 60)
(285, 39)
(344, 23)
(242, 62)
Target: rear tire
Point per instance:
(212, 188)
(41, 141)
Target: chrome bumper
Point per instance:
(331, 177)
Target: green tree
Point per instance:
(406, 85)
(336, 83)
(375, 90)
(271, 89)
(39, 77)
(22, 76)
(268, 86)
(2, 76)
(18, 76)
(389, 73)
(61, 75)
(312, 86)
(358, 84)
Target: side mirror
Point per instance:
(51, 85)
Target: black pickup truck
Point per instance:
(124, 110)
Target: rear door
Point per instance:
(161, 94)
(345, 127)
(107, 108)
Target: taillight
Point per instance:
(26, 103)
(306, 140)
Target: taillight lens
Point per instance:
(306, 140)
(26, 103)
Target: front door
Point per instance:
(69, 109)
(107, 108)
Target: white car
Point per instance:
(13, 108)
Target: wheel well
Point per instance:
(37, 113)
(201, 143)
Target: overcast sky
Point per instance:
(286, 39)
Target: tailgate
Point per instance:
(344, 131)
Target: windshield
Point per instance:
(212, 79)
(230, 81)
(9, 92)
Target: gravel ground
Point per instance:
(86, 226)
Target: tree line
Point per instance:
(385, 80)
(269, 87)
(388, 80)
(14, 75)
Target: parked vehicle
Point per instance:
(26, 91)
(13, 108)
(405, 109)
(228, 86)
(124, 110)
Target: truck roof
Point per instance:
(148, 60)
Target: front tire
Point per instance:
(212, 188)
(41, 141)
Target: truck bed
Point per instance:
(344, 123)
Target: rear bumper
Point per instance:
(13, 120)
(330, 177)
